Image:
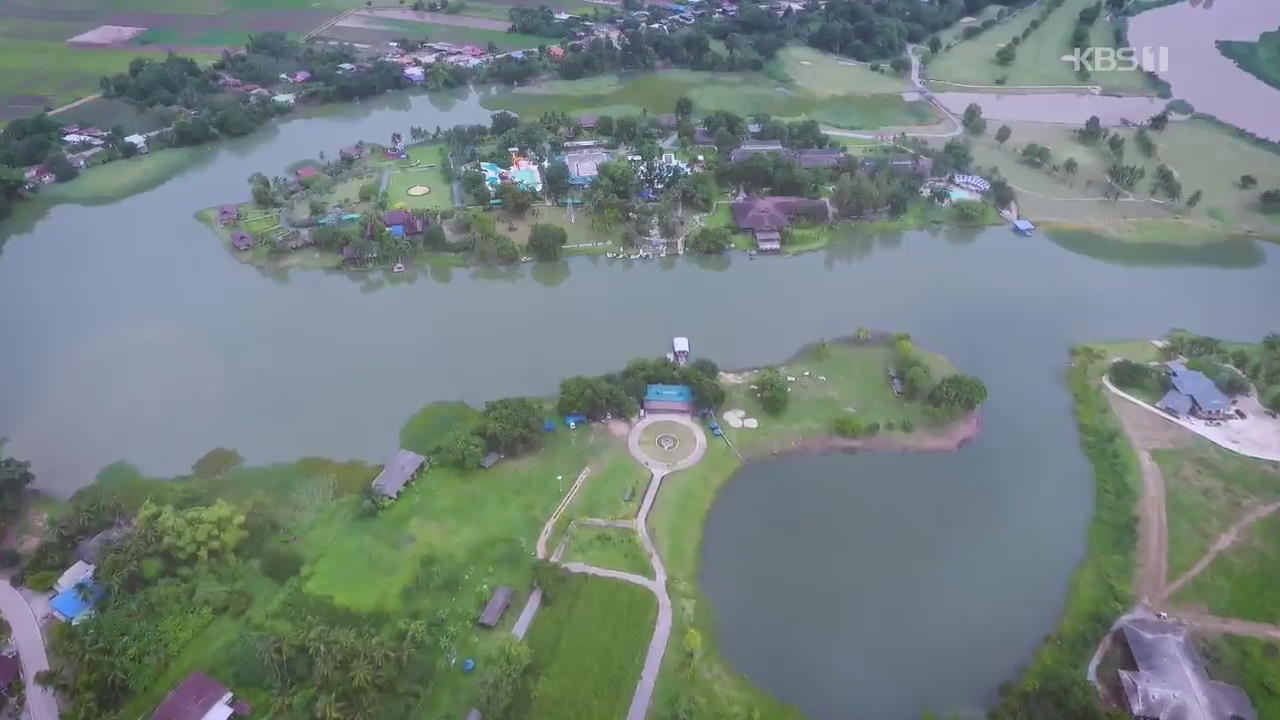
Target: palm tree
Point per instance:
(361, 674)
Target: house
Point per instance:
(703, 137)
(80, 139)
(975, 183)
(585, 166)
(228, 214)
(747, 150)
(414, 74)
(669, 121)
(489, 460)
(818, 157)
(199, 697)
(1023, 227)
(1195, 394)
(556, 52)
(766, 217)
(39, 175)
(241, 240)
(90, 550)
(668, 398)
(899, 163)
(76, 603)
(1170, 682)
(496, 607)
(297, 78)
(306, 173)
(79, 572)
(399, 470)
(285, 99)
(346, 68)
(351, 152)
(412, 224)
(589, 122)
(474, 714)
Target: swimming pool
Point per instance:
(526, 176)
(958, 194)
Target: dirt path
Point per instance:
(1224, 541)
(1230, 626)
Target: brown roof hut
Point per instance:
(497, 607)
(241, 240)
(197, 697)
(413, 225)
(767, 217)
(399, 470)
(352, 152)
(588, 122)
(228, 214)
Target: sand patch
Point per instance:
(107, 35)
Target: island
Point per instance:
(535, 557)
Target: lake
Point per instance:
(873, 585)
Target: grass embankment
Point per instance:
(1207, 489)
(588, 647)
(854, 96)
(1250, 663)
(1102, 587)
(1260, 59)
(1203, 155)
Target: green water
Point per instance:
(838, 583)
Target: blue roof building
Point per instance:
(71, 606)
(668, 398)
(1205, 399)
(1023, 227)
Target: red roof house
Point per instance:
(306, 173)
(197, 697)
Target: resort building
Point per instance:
(241, 240)
(228, 214)
(1194, 394)
(766, 217)
(680, 350)
(200, 697)
(584, 166)
(399, 470)
(408, 223)
(975, 183)
(1170, 682)
(807, 157)
(668, 399)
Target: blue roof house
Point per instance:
(75, 604)
(1202, 398)
(1023, 227)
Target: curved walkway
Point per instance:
(41, 703)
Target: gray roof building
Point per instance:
(1170, 682)
(397, 473)
(490, 459)
(497, 607)
(1175, 403)
(1208, 399)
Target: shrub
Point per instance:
(281, 563)
(773, 390)
(847, 427)
(43, 581)
(907, 426)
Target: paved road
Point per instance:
(41, 703)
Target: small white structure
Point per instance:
(76, 574)
(680, 346)
(285, 99)
(138, 141)
(77, 139)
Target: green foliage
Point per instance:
(462, 449)
(773, 391)
(1036, 155)
(511, 425)
(1138, 376)
(710, 240)
(43, 580)
(15, 477)
(957, 392)
(503, 677)
(546, 240)
(281, 563)
(967, 211)
(216, 462)
(851, 427)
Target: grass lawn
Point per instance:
(613, 548)
(441, 195)
(1240, 582)
(1207, 489)
(1205, 157)
(826, 75)
(857, 383)
(1248, 662)
(956, 31)
(604, 494)
(579, 231)
(742, 93)
(459, 35)
(588, 646)
(1260, 59)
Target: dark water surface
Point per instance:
(856, 587)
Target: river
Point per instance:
(854, 586)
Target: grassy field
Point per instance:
(856, 377)
(605, 494)
(441, 195)
(613, 548)
(1203, 155)
(742, 93)
(456, 34)
(1039, 59)
(1250, 663)
(826, 75)
(588, 647)
(1260, 59)
(1240, 583)
(1207, 489)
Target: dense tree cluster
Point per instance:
(772, 390)
(867, 31)
(619, 393)
(957, 393)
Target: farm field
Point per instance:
(742, 93)
(1204, 155)
(1039, 58)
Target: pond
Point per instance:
(131, 334)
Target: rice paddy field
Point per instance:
(800, 83)
(1039, 58)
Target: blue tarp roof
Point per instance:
(396, 231)
(1023, 225)
(70, 605)
(669, 393)
(1199, 387)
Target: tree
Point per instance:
(15, 477)
(1070, 166)
(773, 391)
(710, 240)
(546, 240)
(61, 167)
(1159, 121)
(935, 44)
(967, 211)
(1006, 54)
(556, 180)
(461, 449)
(1092, 131)
(957, 392)
(973, 121)
(501, 681)
(1001, 193)
(1270, 200)
(1003, 134)
(1116, 144)
(511, 425)
(862, 334)
(1194, 199)
(1145, 144)
(1036, 155)
(684, 108)
(514, 198)
(1248, 181)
